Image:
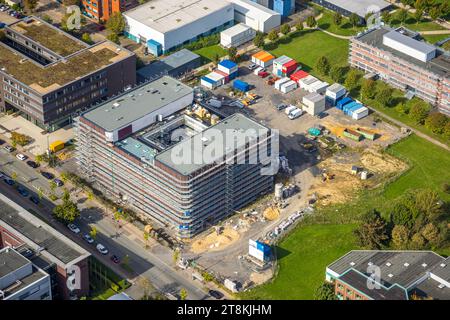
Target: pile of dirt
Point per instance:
(259, 278)
(214, 242)
(378, 162)
(271, 213)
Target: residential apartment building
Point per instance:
(390, 275)
(47, 255)
(102, 10)
(131, 146)
(20, 279)
(404, 62)
(48, 76)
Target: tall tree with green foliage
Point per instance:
(384, 95)
(232, 54)
(336, 73)
(183, 294)
(400, 237)
(285, 28)
(351, 81)
(418, 112)
(299, 25)
(273, 35)
(434, 12)
(116, 23)
(418, 15)
(86, 37)
(436, 122)
(325, 292)
(372, 232)
(258, 41)
(323, 65)
(401, 15)
(337, 18)
(354, 20)
(386, 16)
(368, 89)
(67, 211)
(311, 22)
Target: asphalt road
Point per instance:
(156, 267)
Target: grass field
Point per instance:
(410, 23)
(345, 29)
(209, 53)
(304, 257)
(433, 38)
(309, 45)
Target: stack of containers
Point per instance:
(290, 67)
(360, 113)
(318, 87)
(288, 86)
(342, 102)
(263, 59)
(297, 76)
(212, 80)
(334, 93)
(227, 76)
(350, 107)
(278, 65)
(241, 85)
(307, 82)
(230, 68)
(279, 82)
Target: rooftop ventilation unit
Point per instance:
(406, 264)
(388, 264)
(441, 286)
(352, 263)
(424, 265)
(390, 275)
(443, 265)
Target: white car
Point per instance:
(73, 228)
(88, 239)
(102, 249)
(21, 157)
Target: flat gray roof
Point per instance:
(406, 267)
(410, 42)
(11, 260)
(439, 65)
(130, 106)
(360, 7)
(442, 269)
(335, 87)
(314, 97)
(431, 288)
(180, 58)
(41, 234)
(234, 123)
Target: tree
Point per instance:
(431, 233)
(116, 23)
(386, 16)
(354, 20)
(146, 286)
(285, 29)
(30, 5)
(418, 112)
(418, 242)
(311, 22)
(337, 18)
(232, 54)
(418, 15)
(40, 193)
(273, 35)
(368, 89)
(71, 2)
(436, 122)
(176, 255)
(146, 237)
(446, 133)
(86, 37)
(337, 73)
(258, 41)
(20, 139)
(68, 210)
(299, 25)
(323, 66)
(384, 95)
(351, 81)
(325, 292)
(400, 237)
(113, 37)
(183, 294)
(434, 12)
(93, 232)
(428, 203)
(402, 108)
(402, 14)
(372, 232)
(420, 4)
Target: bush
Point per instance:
(20, 139)
(285, 28)
(436, 122)
(419, 112)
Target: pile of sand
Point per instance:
(271, 213)
(381, 163)
(260, 278)
(214, 242)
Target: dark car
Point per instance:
(9, 181)
(34, 199)
(47, 175)
(281, 106)
(215, 294)
(58, 182)
(24, 192)
(115, 259)
(32, 164)
(1, 142)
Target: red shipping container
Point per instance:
(299, 75)
(290, 67)
(227, 76)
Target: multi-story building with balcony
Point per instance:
(102, 10)
(145, 149)
(47, 76)
(390, 275)
(404, 62)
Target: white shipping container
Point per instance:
(288, 86)
(254, 252)
(237, 35)
(307, 82)
(360, 113)
(279, 82)
(318, 87)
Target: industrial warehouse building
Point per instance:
(403, 275)
(131, 146)
(163, 25)
(236, 35)
(255, 15)
(359, 7)
(414, 66)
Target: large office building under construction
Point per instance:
(146, 149)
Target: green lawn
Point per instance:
(209, 53)
(327, 23)
(307, 46)
(430, 167)
(433, 38)
(304, 257)
(410, 23)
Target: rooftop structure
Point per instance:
(255, 15)
(402, 273)
(360, 7)
(335, 88)
(407, 45)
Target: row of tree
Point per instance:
(417, 220)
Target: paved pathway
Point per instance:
(435, 32)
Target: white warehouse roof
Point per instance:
(167, 15)
(255, 10)
(236, 30)
(360, 7)
(407, 45)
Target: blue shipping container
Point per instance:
(208, 80)
(241, 85)
(154, 47)
(234, 75)
(228, 64)
(341, 103)
(349, 107)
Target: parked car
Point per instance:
(73, 228)
(9, 181)
(102, 249)
(1, 141)
(215, 294)
(21, 157)
(47, 175)
(23, 191)
(58, 182)
(281, 106)
(252, 66)
(263, 74)
(88, 238)
(9, 148)
(34, 199)
(115, 259)
(32, 164)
